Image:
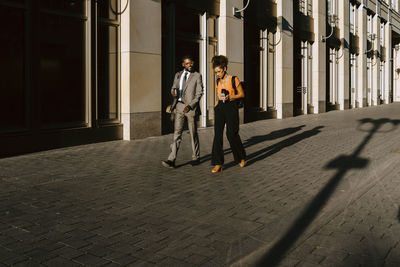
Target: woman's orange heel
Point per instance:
(217, 168)
(242, 163)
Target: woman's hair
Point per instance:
(220, 61)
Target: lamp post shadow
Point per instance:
(342, 164)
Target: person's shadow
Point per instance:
(254, 140)
(271, 136)
(275, 148)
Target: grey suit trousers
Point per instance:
(178, 129)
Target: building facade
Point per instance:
(60, 74)
(81, 71)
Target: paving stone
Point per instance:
(59, 261)
(197, 259)
(391, 264)
(14, 259)
(111, 264)
(174, 262)
(289, 262)
(361, 260)
(125, 260)
(69, 252)
(96, 250)
(91, 260)
(40, 255)
(28, 263)
(76, 243)
(147, 255)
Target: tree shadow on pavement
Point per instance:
(254, 140)
(342, 164)
(275, 148)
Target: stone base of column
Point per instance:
(332, 106)
(141, 125)
(346, 104)
(256, 114)
(287, 110)
(321, 106)
(310, 109)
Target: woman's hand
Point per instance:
(225, 98)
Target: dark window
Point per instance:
(107, 9)
(107, 72)
(107, 60)
(12, 68)
(62, 69)
(187, 21)
(74, 6)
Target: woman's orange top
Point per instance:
(227, 86)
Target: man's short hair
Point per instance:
(187, 57)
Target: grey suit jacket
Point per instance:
(192, 92)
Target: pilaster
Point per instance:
(396, 76)
(344, 60)
(141, 69)
(388, 62)
(319, 58)
(362, 58)
(376, 79)
(284, 60)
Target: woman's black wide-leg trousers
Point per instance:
(226, 113)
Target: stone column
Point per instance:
(125, 74)
(319, 58)
(376, 28)
(396, 76)
(230, 37)
(344, 60)
(362, 58)
(141, 69)
(284, 60)
(231, 40)
(388, 62)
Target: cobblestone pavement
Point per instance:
(318, 190)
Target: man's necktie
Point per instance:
(183, 85)
(184, 80)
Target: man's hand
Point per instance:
(186, 109)
(174, 92)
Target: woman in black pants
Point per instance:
(229, 90)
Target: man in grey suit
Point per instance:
(187, 90)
